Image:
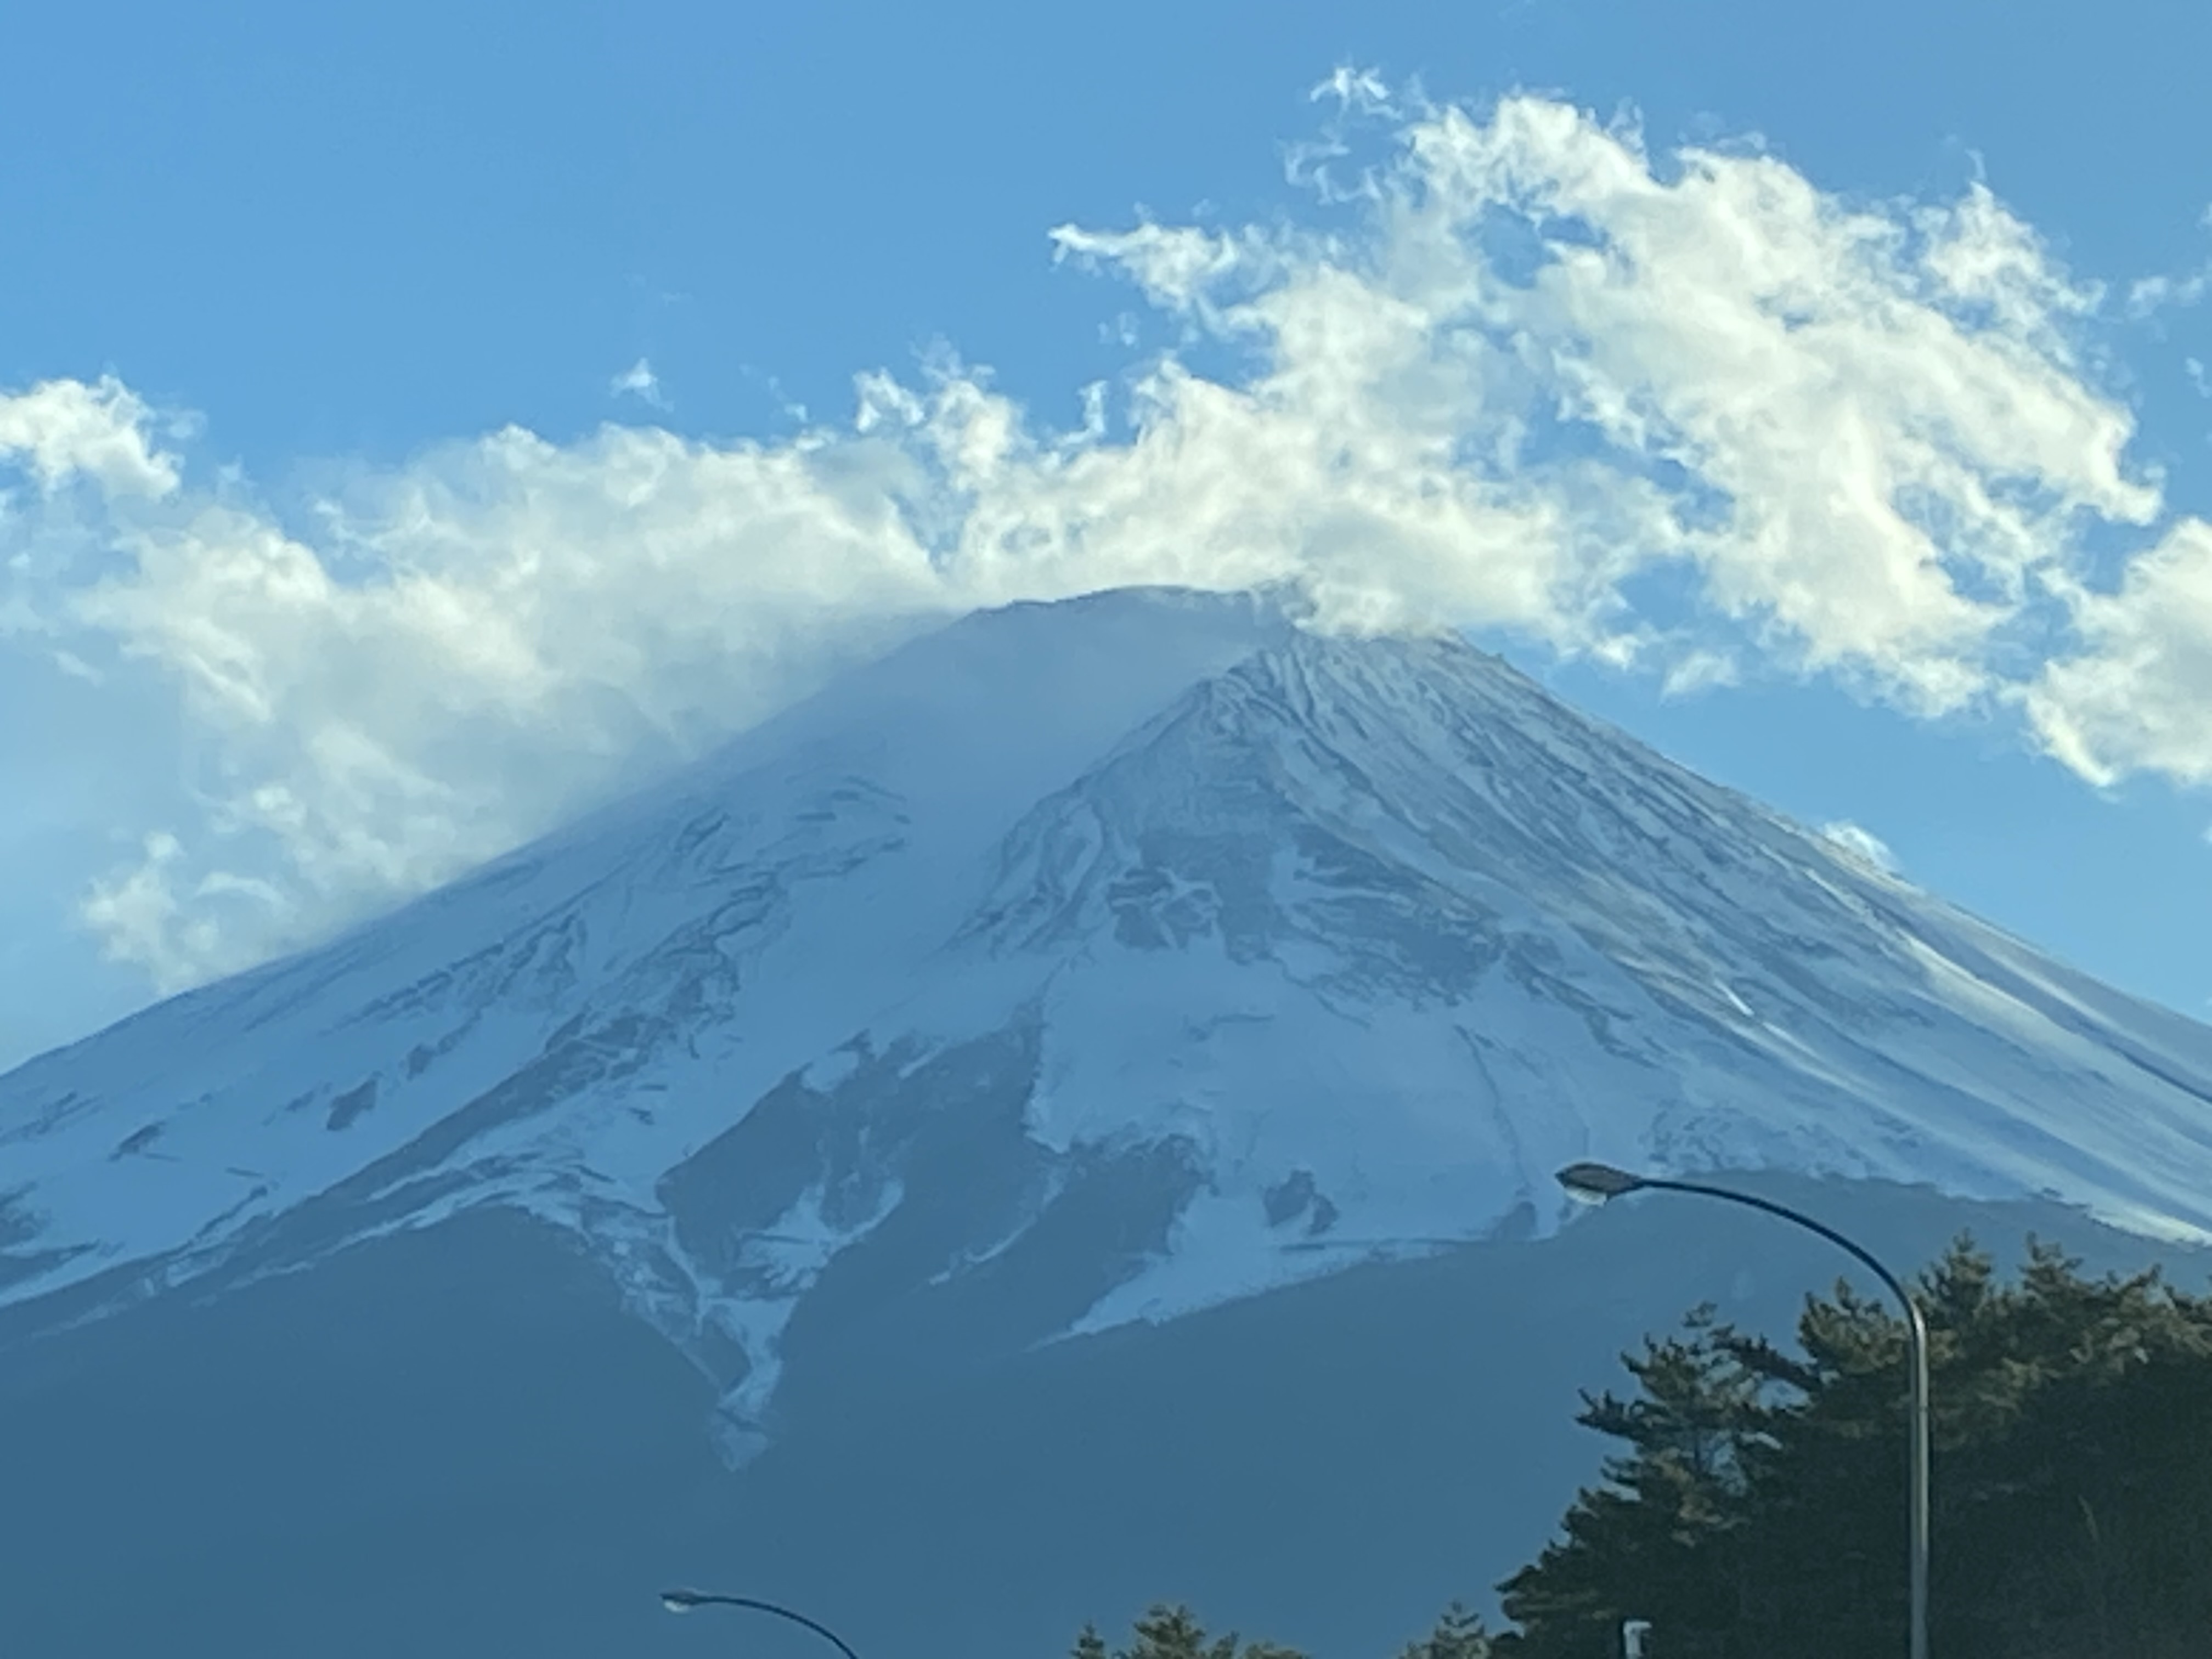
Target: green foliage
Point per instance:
(1459, 1635)
(1757, 1499)
(1171, 1632)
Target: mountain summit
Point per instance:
(1085, 963)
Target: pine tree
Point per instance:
(1172, 1633)
(1459, 1634)
(1658, 1540)
(1762, 1496)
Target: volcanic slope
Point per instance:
(1084, 963)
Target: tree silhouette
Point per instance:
(1760, 1499)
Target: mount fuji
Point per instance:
(1080, 982)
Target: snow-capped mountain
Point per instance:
(1110, 960)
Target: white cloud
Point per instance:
(2138, 697)
(1177, 267)
(1860, 843)
(1540, 372)
(486, 640)
(1699, 670)
(639, 381)
(179, 937)
(63, 429)
(2152, 295)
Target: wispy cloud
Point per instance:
(639, 381)
(1532, 370)
(1861, 842)
(2151, 294)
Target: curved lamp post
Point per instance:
(683, 1601)
(1600, 1182)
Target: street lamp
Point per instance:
(683, 1601)
(1601, 1181)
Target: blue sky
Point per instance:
(1864, 467)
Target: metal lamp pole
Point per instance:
(683, 1601)
(1601, 1182)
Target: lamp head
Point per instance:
(680, 1601)
(1593, 1184)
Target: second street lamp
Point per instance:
(683, 1601)
(1601, 1181)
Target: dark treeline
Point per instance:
(1754, 1504)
